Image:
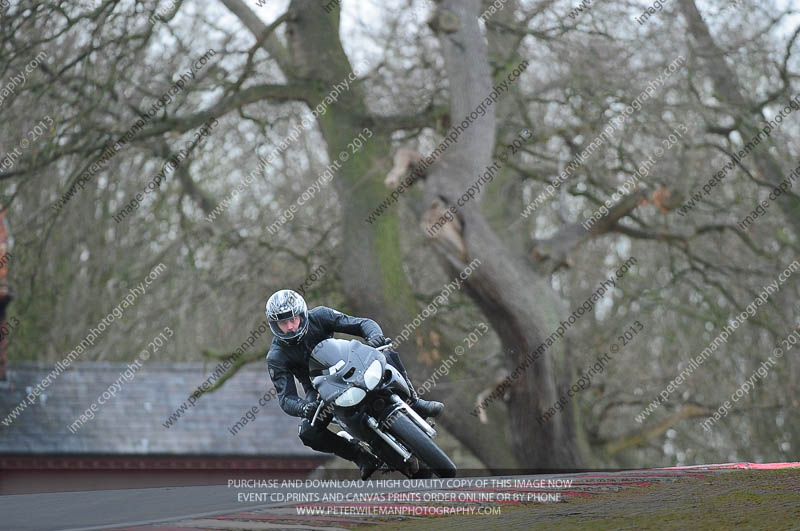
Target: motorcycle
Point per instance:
(367, 397)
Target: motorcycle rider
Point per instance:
(297, 330)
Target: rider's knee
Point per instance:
(309, 434)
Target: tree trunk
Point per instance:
(372, 259)
(520, 305)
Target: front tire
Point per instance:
(422, 446)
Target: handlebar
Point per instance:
(316, 413)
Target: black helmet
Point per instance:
(285, 304)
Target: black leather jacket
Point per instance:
(287, 361)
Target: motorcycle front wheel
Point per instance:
(422, 446)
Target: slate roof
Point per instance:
(132, 421)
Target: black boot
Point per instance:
(367, 464)
(427, 408)
(324, 440)
(424, 408)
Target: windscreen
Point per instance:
(327, 354)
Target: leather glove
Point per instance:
(325, 414)
(309, 408)
(378, 341)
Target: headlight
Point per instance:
(372, 376)
(351, 397)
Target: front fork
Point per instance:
(427, 428)
(389, 439)
(396, 445)
(397, 407)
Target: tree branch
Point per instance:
(650, 432)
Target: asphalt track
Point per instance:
(223, 507)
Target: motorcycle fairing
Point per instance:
(338, 364)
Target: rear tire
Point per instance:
(422, 446)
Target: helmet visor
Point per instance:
(286, 329)
(289, 324)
